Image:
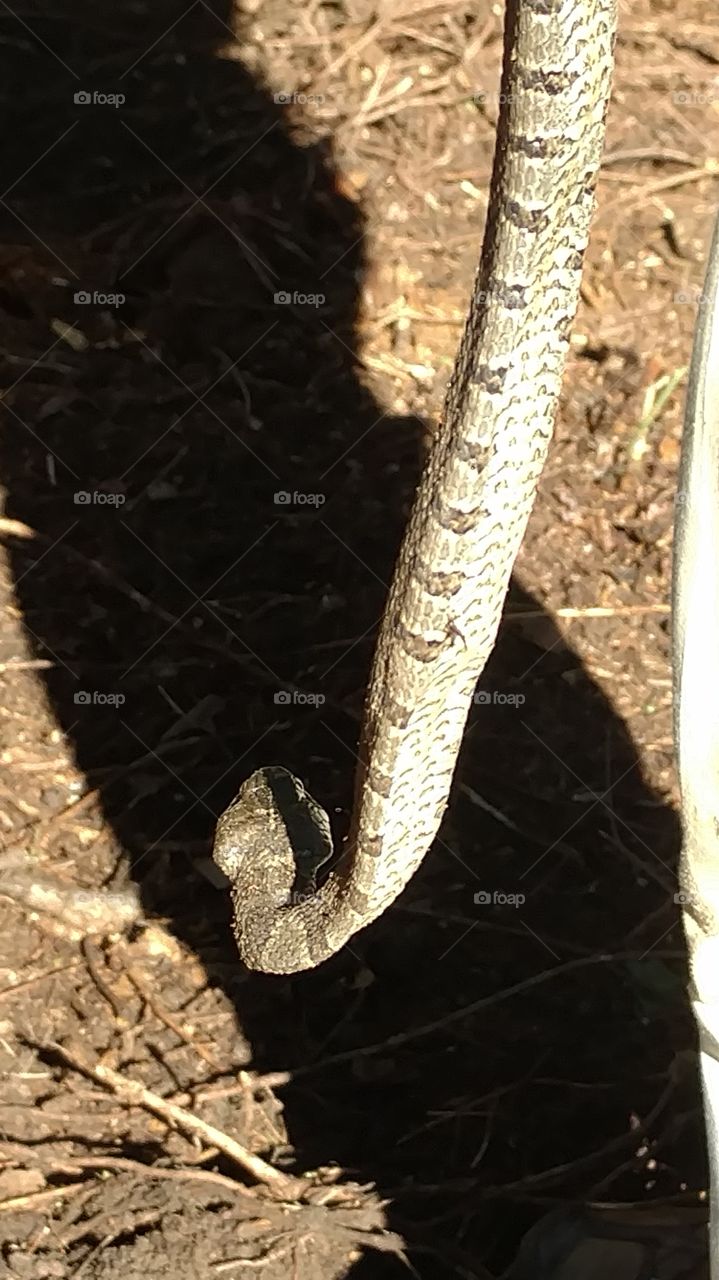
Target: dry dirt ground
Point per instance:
(513, 1036)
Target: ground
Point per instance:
(205, 486)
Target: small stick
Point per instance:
(592, 611)
(164, 1015)
(39, 977)
(41, 1197)
(72, 1163)
(640, 195)
(133, 1094)
(94, 964)
(26, 664)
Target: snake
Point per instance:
(467, 521)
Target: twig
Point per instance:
(270, 1080)
(39, 977)
(164, 1015)
(151, 1171)
(134, 1094)
(93, 961)
(592, 611)
(708, 170)
(41, 1197)
(525, 832)
(586, 1161)
(26, 664)
(273, 1253)
(630, 155)
(466, 1011)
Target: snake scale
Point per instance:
(467, 522)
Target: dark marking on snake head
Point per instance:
(272, 809)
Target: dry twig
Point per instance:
(133, 1094)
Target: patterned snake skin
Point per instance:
(468, 520)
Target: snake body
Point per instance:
(467, 523)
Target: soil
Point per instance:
(236, 248)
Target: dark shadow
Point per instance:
(217, 501)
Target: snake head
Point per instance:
(273, 821)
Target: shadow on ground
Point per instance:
(217, 501)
